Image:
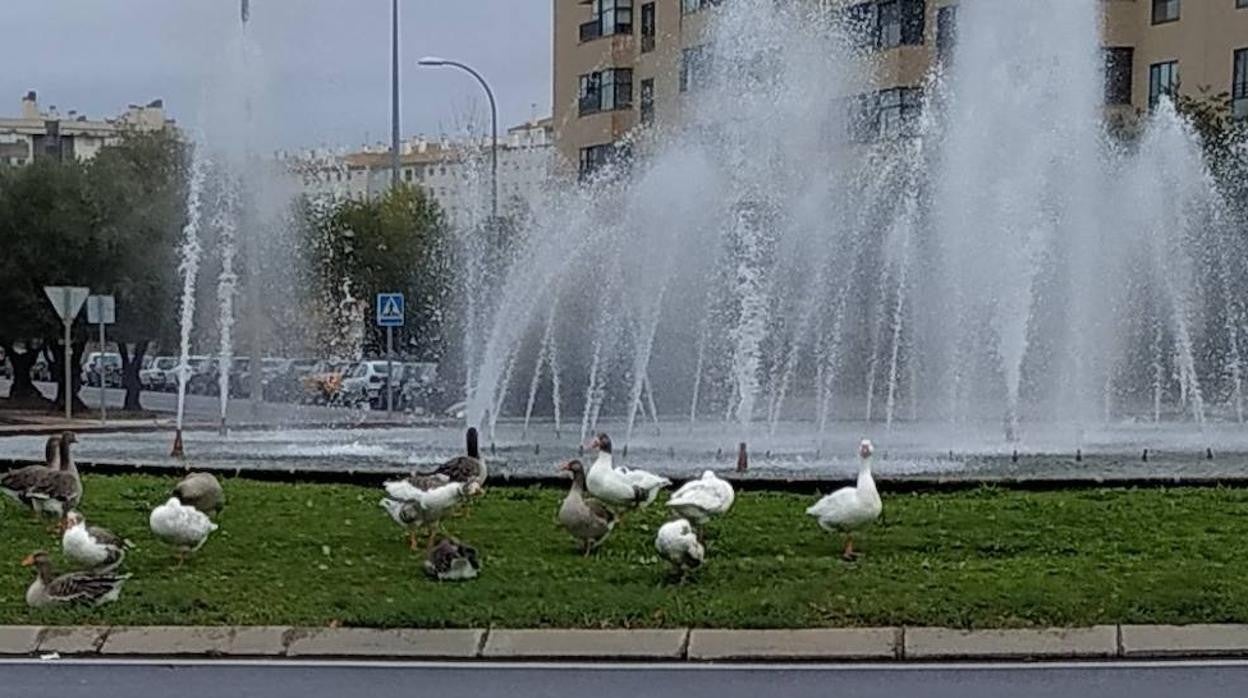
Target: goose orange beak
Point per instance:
(28, 561)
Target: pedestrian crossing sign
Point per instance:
(390, 309)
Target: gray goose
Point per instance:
(202, 491)
(587, 519)
(467, 468)
(16, 484)
(59, 492)
(451, 560)
(94, 588)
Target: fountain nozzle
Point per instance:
(245, 10)
(177, 445)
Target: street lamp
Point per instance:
(435, 62)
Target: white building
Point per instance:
(456, 174)
(37, 134)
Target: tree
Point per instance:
(395, 243)
(103, 224)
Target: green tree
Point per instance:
(397, 242)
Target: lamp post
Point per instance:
(435, 62)
(394, 94)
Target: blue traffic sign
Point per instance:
(389, 309)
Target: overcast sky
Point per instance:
(325, 62)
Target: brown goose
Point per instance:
(202, 491)
(59, 492)
(16, 484)
(587, 519)
(468, 468)
(95, 588)
(451, 561)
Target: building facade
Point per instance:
(620, 64)
(39, 134)
(454, 173)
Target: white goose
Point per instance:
(91, 547)
(620, 487)
(414, 508)
(701, 500)
(182, 526)
(678, 543)
(850, 508)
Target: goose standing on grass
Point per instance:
(678, 543)
(16, 484)
(94, 588)
(452, 561)
(201, 491)
(59, 492)
(620, 487)
(91, 547)
(414, 508)
(701, 500)
(181, 526)
(588, 520)
(851, 508)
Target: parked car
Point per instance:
(102, 367)
(161, 374)
(417, 386)
(286, 385)
(322, 385)
(365, 383)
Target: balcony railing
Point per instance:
(591, 30)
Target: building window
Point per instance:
(900, 111)
(1165, 11)
(899, 23)
(859, 24)
(1163, 79)
(647, 101)
(1241, 4)
(1239, 83)
(887, 114)
(688, 7)
(1119, 63)
(648, 27)
(695, 67)
(606, 90)
(946, 31)
(610, 17)
(407, 175)
(864, 118)
(596, 157)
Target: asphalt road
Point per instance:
(66, 679)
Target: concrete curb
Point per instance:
(671, 645)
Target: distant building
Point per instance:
(623, 64)
(37, 134)
(454, 173)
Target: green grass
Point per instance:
(313, 554)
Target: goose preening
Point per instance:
(452, 561)
(850, 508)
(16, 484)
(414, 508)
(620, 487)
(678, 543)
(701, 500)
(95, 588)
(59, 492)
(182, 526)
(91, 547)
(201, 491)
(587, 519)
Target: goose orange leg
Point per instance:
(849, 555)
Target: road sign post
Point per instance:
(390, 315)
(101, 310)
(67, 301)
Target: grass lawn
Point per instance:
(313, 554)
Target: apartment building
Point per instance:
(621, 64)
(39, 133)
(455, 173)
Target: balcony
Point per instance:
(591, 30)
(617, 21)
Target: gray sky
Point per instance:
(325, 62)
